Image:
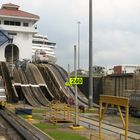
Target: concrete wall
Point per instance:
(97, 88)
(118, 85)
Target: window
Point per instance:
(38, 42)
(17, 23)
(12, 34)
(6, 22)
(25, 24)
(43, 42)
(13, 23)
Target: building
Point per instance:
(18, 27)
(121, 69)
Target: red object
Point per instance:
(13, 10)
(70, 101)
(117, 69)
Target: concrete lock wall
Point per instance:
(116, 85)
(97, 88)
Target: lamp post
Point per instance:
(78, 44)
(76, 101)
(90, 56)
(12, 53)
(68, 71)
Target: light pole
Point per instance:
(12, 56)
(76, 101)
(78, 44)
(68, 71)
(90, 56)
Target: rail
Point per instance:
(36, 90)
(26, 90)
(94, 124)
(26, 130)
(10, 93)
(50, 82)
(63, 74)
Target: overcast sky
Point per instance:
(116, 29)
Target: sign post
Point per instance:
(75, 81)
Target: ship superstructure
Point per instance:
(43, 49)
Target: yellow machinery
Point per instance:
(59, 112)
(119, 102)
(2, 104)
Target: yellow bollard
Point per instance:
(29, 118)
(9, 105)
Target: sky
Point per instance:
(116, 29)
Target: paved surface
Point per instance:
(110, 128)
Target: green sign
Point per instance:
(68, 84)
(76, 81)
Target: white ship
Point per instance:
(43, 49)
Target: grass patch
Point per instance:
(53, 131)
(39, 111)
(59, 135)
(134, 120)
(46, 126)
(36, 117)
(23, 116)
(90, 111)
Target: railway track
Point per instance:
(61, 77)
(7, 131)
(20, 77)
(25, 130)
(31, 73)
(94, 123)
(10, 93)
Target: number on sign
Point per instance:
(76, 81)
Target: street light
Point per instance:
(90, 56)
(76, 101)
(78, 44)
(12, 53)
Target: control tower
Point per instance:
(16, 30)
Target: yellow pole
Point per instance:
(100, 120)
(56, 115)
(126, 123)
(78, 115)
(90, 136)
(64, 113)
(68, 113)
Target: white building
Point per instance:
(20, 26)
